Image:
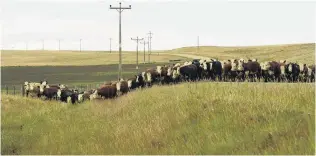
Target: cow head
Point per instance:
(80, 98)
(159, 69)
(290, 68)
(118, 86)
(41, 88)
(169, 71)
(175, 74)
(94, 95)
(202, 61)
(58, 93)
(234, 66)
(129, 83)
(69, 99)
(177, 65)
(26, 86)
(149, 77)
(43, 82)
(240, 66)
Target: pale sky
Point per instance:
(174, 23)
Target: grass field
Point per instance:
(197, 118)
(70, 75)
(75, 58)
(304, 53)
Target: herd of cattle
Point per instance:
(202, 69)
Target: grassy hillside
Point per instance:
(197, 118)
(74, 58)
(293, 52)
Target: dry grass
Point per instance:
(191, 118)
(293, 52)
(74, 58)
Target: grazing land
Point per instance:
(304, 53)
(75, 58)
(190, 118)
(70, 75)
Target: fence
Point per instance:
(19, 89)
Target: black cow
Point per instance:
(292, 71)
(189, 72)
(50, 93)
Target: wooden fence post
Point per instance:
(13, 90)
(22, 90)
(7, 89)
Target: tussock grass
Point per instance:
(190, 118)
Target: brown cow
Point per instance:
(107, 91)
(227, 69)
(151, 75)
(122, 86)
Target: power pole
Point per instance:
(137, 40)
(80, 45)
(144, 42)
(42, 44)
(110, 45)
(26, 46)
(198, 44)
(149, 45)
(120, 10)
(59, 45)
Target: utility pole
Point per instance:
(110, 45)
(137, 40)
(59, 45)
(120, 10)
(149, 45)
(42, 44)
(26, 46)
(80, 45)
(198, 44)
(144, 42)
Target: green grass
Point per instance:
(191, 118)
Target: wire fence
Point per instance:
(19, 89)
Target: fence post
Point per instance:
(7, 89)
(22, 90)
(13, 90)
(87, 87)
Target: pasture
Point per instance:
(187, 118)
(190, 118)
(304, 53)
(75, 58)
(79, 76)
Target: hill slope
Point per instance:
(74, 58)
(198, 118)
(294, 52)
(304, 53)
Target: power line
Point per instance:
(144, 42)
(137, 40)
(120, 10)
(149, 45)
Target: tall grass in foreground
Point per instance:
(192, 118)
